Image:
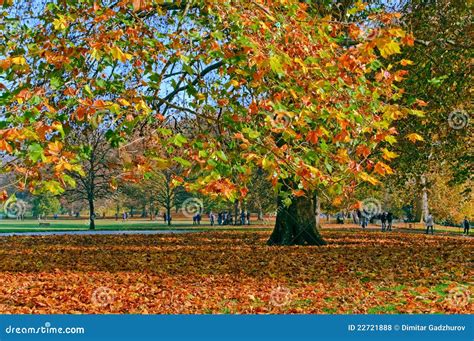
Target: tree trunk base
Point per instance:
(296, 224)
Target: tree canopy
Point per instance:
(221, 88)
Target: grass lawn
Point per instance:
(235, 272)
(9, 226)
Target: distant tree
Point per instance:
(45, 204)
(261, 197)
(157, 190)
(100, 168)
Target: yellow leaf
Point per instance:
(382, 169)
(119, 55)
(413, 137)
(418, 113)
(95, 54)
(123, 102)
(143, 106)
(366, 177)
(302, 64)
(293, 94)
(397, 32)
(267, 164)
(406, 62)
(18, 60)
(388, 155)
(389, 48)
(60, 23)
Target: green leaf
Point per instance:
(276, 66)
(53, 187)
(437, 81)
(56, 83)
(390, 139)
(179, 140)
(418, 113)
(35, 152)
(69, 180)
(253, 134)
(101, 83)
(221, 155)
(287, 202)
(183, 162)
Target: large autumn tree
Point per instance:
(258, 84)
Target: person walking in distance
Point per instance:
(389, 221)
(429, 223)
(383, 219)
(211, 218)
(466, 225)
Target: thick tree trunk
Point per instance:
(296, 224)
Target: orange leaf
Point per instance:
(312, 137)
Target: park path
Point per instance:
(343, 227)
(88, 232)
(395, 228)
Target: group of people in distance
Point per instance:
(227, 218)
(429, 224)
(197, 219)
(386, 219)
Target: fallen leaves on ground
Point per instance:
(235, 272)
